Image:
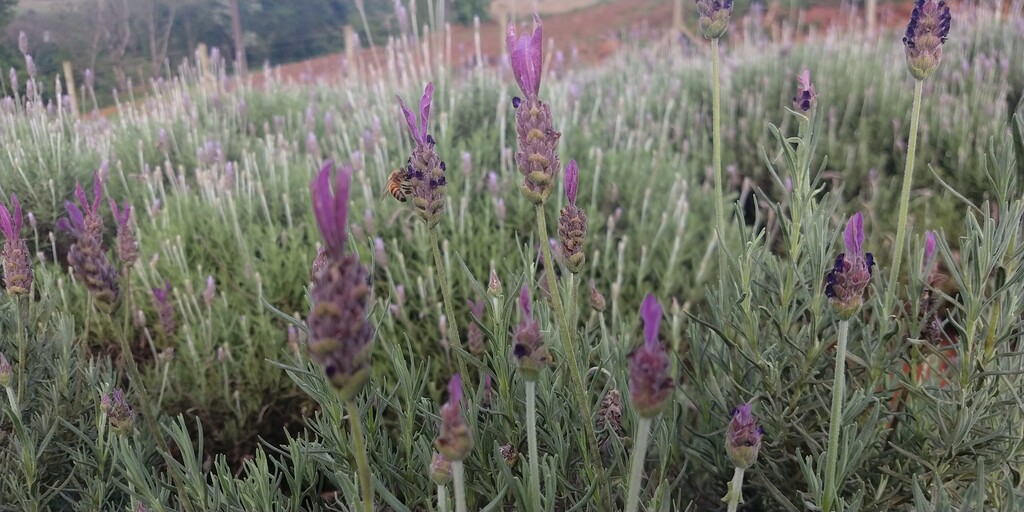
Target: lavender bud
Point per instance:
(455, 440)
(492, 184)
(5, 371)
(380, 254)
(499, 210)
(30, 67)
(23, 42)
(119, 413)
(17, 265)
(743, 437)
(509, 454)
(527, 342)
(164, 308)
(596, 298)
(210, 293)
(714, 17)
(926, 33)
(805, 96)
(846, 282)
(440, 470)
(467, 163)
(572, 223)
(494, 285)
(127, 246)
(650, 386)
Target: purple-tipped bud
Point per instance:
(714, 17)
(494, 285)
(526, 53)
(87, 257)
(18, 274)
(164, 308)
(572, 223)
(805, 94)
(474, 334)
(572, 180)
(440, 470)
(330, 207)
(425, 170)
(455, 440)
(5, 371)
(119, 412)
(743, 437)
(926, 33)
(928, 265)
(528, 347)
(650, 385)
(127, 245)
(845, 283)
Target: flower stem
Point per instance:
(735, 495)
(446, 294)
(459, 478)
(835, 425)
(362, 460)
(716, 142)
(531, 435)
(570, 348)
(636, 464)
(574, 307)
(442, 498)
(908, 178)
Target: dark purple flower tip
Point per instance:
(11, 221)
(122, 215)
(330, 207)
(743, 437)
(97, 189)
(526, 53)
(524, 302)
(419, 130)
(650, 311)
(455, 390)
(572, 180)
(516, 100)
(806, 94)
(854, 235)
(162, 294)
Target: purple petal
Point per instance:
(6, 225)
(342, 187)
(929, 248)
(524, 301)
(572, 180)
(97, 189)
(455, 389)
(428, 95)
(536, 55)
(115, 211)
(410, 120)
(854, 235)
(80, 194)
(17, 221)
(75, 221)
(650, 311)
(324, 210)
(803, 80)
(742, 413)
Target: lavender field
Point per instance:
(737, 273)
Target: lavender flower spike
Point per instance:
(846, 282)
(572, 223)
(164, 308)
(340, 335)
(714, 17)
(17, 262)
(127, 245)
(425, 170)
(743, 437)
(926, 33)
(527, 342)
(527, 55)
(119, 411)
(929, 253)
(87, 257)
(805, 96)
(455, 440)
(650, 385)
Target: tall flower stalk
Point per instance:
(922, 43)
(425, 172)
(17, 262)
(531, 358)
(340, 335)
(742, 444)
(537, 160)
(845, 286)
(650, 388)
(572, 233)
(455, 440)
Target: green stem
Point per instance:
(459, 478)
(362, 460)
(636, 464)
(446, 294)
(570, 348)
(835, 425)
(908, 178)
(20, 324)
(716, 142)
(574, 307)
(442, 498)
(735, 495)
(531, 435)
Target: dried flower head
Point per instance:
(650, 385)
(743, 437)
(596, 298)
(805, 95)
(926, 33)
(527, 342)
(455, 440)
(119, 412)
(609, 420)
(572, 223)
(473, 332)
(164, 308)
(440, 470)
(87, 256)
(340, 335)
(714, 17)
(17, 267)
(846, 282)
(425, 169)
(127, 245)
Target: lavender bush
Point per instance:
(235, 338)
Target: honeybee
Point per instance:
(397, 185)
